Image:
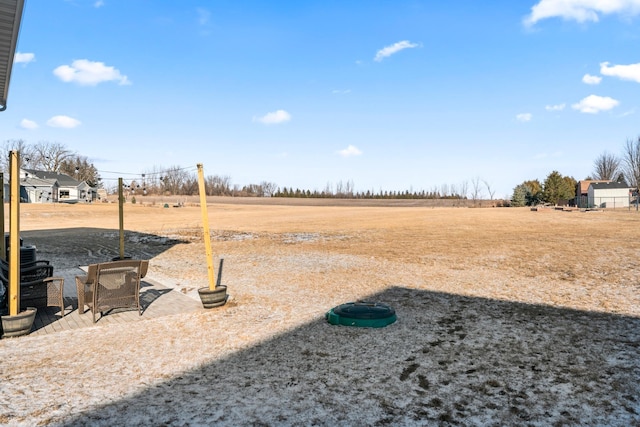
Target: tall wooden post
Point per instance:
(14, 234)
(205, 226)
(121, 216)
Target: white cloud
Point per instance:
(63, 122)
(203, 16)
(580, 10)
(89, 73)
(591, 80)
(593, 104)
(341, 91)
(28, 124)
(557, 107)
(524, 117)
(98, 3)
(541, 156)
(350, 151)
(394, 48)
(624, 72)
(23, 58)
(275, 117)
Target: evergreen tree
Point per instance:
(519, 197)
(556, 188)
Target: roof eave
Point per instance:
(10, 18)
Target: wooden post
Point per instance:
(121, 216)
(205, 226)
(14, 234)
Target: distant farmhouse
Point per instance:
(51, 187)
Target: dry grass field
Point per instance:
(506, 316)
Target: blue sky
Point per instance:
(390, 95)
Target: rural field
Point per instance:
(506, 316)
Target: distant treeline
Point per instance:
(290, 192)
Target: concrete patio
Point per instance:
(156, 300)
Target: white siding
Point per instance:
(608, 197)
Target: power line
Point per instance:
(149, 174)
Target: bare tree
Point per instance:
(217, 185)
(27, 155)
(476, 190)
(328, 189)
(189, 185)
(174, 179)
(152, 179)
(50, 155)
(349, 188)
(631, 162)
(489, 189)
(269, 188)
(606, 167)
(454, 191)
(444, 190)
(464, 189)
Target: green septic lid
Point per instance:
(362, 314)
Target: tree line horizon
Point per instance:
(176, 180)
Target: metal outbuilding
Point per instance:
(608, 195)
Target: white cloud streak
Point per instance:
(394, 48)
(593, 104)
(591, 80)
(350, 151)
(89, 73)
(23, 58)
(65, 122)
(557, 107)
(624, 72)
(273, 118)
(28, 124)
(580, 10)
(524, 117)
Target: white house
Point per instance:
(608, 195)
(65, 189)
(36, 190)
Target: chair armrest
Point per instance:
(38, 262)
(32, 282)
(36, 272)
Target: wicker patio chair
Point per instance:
(114, 284)
(55, 293)
(38, 287)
